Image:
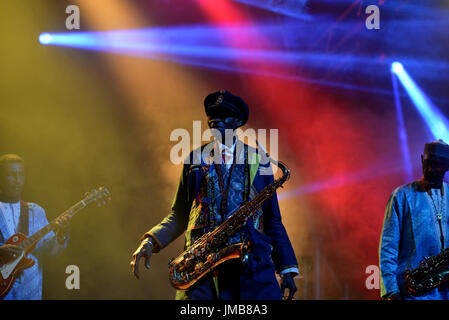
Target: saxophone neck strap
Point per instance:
(24, 220)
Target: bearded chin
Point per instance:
(434, 181)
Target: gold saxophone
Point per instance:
(431, 273)
(211, 249)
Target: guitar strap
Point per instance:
(24, 221)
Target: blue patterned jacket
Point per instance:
(194, 210)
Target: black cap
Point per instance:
(225, 99)
(437, 149)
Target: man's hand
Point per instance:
(288, 283)
(61, 228)
(10, 252)
(61, 225)
(144, 250)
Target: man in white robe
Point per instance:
(416, 225)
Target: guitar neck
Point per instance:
(28, 244)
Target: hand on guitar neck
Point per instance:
(61, 228)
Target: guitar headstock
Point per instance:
(100, 195)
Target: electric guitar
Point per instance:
(10, 269)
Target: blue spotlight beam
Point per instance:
(209, 42)
(187, 47)
(206, 46)
(437, 123)
(403, 140)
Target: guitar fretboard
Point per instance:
(28, 243)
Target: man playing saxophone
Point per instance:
(416, 226)
(210, 190)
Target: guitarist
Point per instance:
(27, 218)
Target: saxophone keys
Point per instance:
(199, 267)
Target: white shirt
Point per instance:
(228, 153)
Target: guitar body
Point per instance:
(11, 269)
